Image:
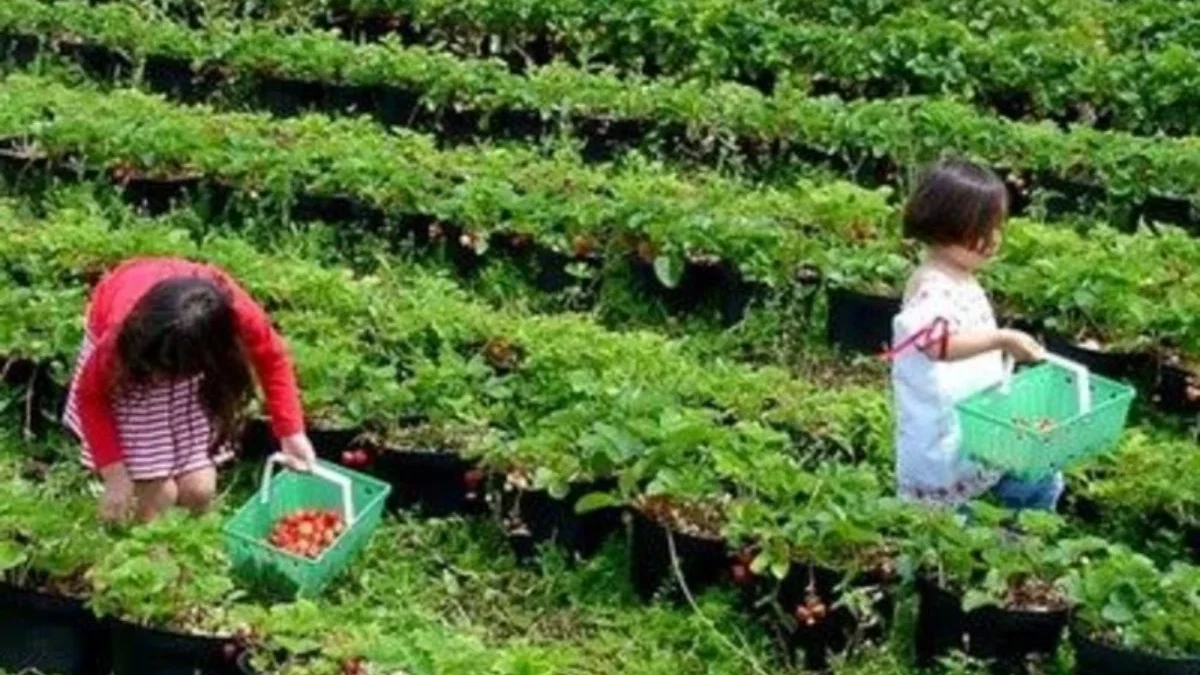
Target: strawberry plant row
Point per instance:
(186, 598)
(640, 436)
(497, 199)
(1065, 77)
(651, 449)
(1140, 492)
(458, 380)
(976, 571)
(489, 373)
(872, 140)
(705, 39)
(1062, 73)
(678, 225)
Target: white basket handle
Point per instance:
(1083, 378)
(317, 470)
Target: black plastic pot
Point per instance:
(50, 634)
(1004, 636)
(1065, 196)
(43, 397)
(178, 80)
(720, 286)
(1171, 394)
(1109, 364)
(836, 632)
(20, 49)
(1082, 507)
(259, 442)
(98, 61)
(547, 519)
(1095, 658)
(395, 106)
(1168, 210)
(552, 275)
(859, 322)
(703, 562)
(287, 97)
(432, 483)
(138, 650)
(156, 196)
(334, 209)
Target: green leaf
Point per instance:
(11, 556)
(974, 599)
(779, 569)
(595, 501)
(668, 270)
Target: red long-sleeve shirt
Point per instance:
(112, 301)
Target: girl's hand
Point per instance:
(116, 504)
(1021, 346)
(298, 452)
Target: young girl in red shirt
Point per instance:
(162, 381)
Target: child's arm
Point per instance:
(99, 428)
(269, 357)
(94, 396)
(962, 346)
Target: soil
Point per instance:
(1035, 595)
(703, 520)
(503, 355)
(880, 564)
(423, 438)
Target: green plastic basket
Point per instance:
(328, 486)
(1043, 419)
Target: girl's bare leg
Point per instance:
(154, 497)
(197, 489)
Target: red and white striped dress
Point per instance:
(162, 431)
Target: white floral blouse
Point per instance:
(928, 462)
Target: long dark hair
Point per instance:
(185, 327)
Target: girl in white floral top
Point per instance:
(946, 344)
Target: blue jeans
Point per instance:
(1041, 494)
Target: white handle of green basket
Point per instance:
(317, 470)
(1083, 377)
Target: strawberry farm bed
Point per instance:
(556, 475)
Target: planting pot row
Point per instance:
(831, 628)
(39, 392)
(992, 633)
(862, 323)
(433, 483)
(704, 563)
(720, 284)
(42, 632)
(535, 517)
(1096, 658)
(604, 139)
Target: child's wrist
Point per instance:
(1002, 340)
(114, 472)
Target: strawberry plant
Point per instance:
(168, 574)
(1123, 599)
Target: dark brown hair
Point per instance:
(185, 327)
(956, 202)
